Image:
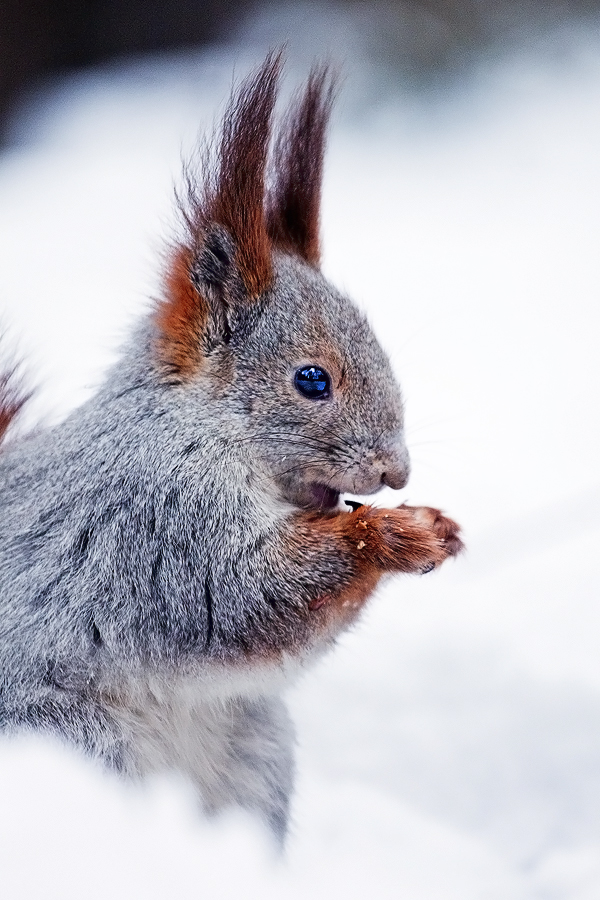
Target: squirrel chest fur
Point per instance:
(175, 551)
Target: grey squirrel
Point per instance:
(174, 553)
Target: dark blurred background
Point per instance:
(425, 39)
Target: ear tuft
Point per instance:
(225, 248)
(293, 214)
(237, 201)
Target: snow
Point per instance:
(450, 746)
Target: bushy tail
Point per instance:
(12, 398)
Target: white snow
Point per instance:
(450, 747)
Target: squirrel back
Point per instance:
(175, 549)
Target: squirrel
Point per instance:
(175, 552)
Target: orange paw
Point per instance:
(405, 539)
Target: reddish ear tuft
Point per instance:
(237, 202)
(294, 203)
(228, 193)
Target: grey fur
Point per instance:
(141, 547)
(157, 581)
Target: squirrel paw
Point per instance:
(407, 539)
(445, 529)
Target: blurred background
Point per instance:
(426, 42)
(449, 748)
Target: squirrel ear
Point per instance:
(293, 210)
(202, 288)
(217, 278)
(224, 260)
(215, 265)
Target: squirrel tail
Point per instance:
(13, 396)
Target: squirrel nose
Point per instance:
(395, 478)
(396, 470)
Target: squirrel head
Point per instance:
(248, 315)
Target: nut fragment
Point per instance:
(360, 545)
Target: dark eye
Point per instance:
(313, 383)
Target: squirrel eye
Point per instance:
(313, 383)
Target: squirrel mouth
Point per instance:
(324, 497)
